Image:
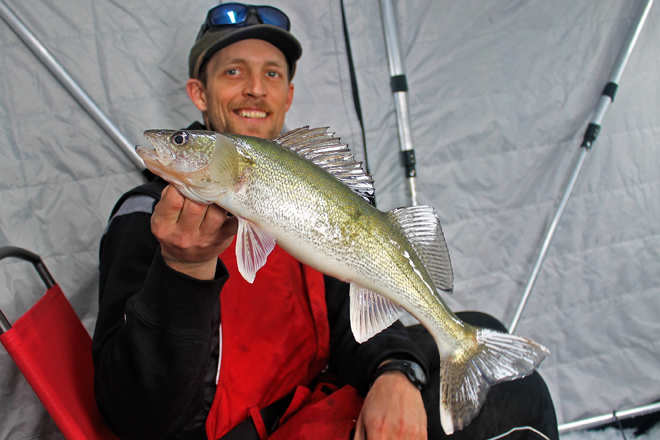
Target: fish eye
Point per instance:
(180, 138)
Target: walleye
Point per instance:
(305, 191)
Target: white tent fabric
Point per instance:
(500, 94)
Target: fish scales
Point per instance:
(290, 186)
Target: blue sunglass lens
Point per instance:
(228, 14)
(273, 16)
(237, 13)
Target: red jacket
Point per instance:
(274, 340)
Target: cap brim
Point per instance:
(218, 38)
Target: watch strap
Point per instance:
(411, 369)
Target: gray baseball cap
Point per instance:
(211, 39)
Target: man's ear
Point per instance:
(197, 93)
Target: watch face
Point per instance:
(419, 373)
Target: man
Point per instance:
(156, 340)
(184, 348)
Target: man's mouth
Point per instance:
(251, 114)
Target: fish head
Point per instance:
(181, 155)
(185, 158)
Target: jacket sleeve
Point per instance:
(355, 363)
(155, 345)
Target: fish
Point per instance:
(306, 192)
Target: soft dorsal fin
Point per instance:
(421, 226)
(325, 151)
(371, 313)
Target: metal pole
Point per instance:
(70, 84)
(608, 418)
(548, 239)
(607, 97)
(399, 85)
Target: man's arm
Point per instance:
(156, 331)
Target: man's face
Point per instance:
(247, 90)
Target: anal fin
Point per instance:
(371, 313)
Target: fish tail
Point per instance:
(466, 374)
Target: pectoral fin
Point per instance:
(371, 313)
(253, 245)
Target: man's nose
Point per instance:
(255, 86)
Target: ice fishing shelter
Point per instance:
(500, 93)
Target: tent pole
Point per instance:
(607, 97)
(609, 418)
(70, 85)
(399, 85)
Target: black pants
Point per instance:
(517, 403)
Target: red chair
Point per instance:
(54, 352)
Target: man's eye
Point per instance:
(232, 72)
(273, 74)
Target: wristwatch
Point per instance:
(412, 370)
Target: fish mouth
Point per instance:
(159, 139)
(159, 158)
(148, 155)
(153, 162)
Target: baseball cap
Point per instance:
(229, 23)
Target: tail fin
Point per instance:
(467, 375)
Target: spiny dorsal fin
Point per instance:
(421, 226)
(324, 150)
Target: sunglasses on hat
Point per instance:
(237, 14)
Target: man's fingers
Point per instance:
(230, 226)
(219, 227)
(192, 215)
(213, 220)
(360, 433)
(177, 211)
(168, 209)
(191, 235)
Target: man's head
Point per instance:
(241, 67)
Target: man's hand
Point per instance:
(191, 235)
(393, 409)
